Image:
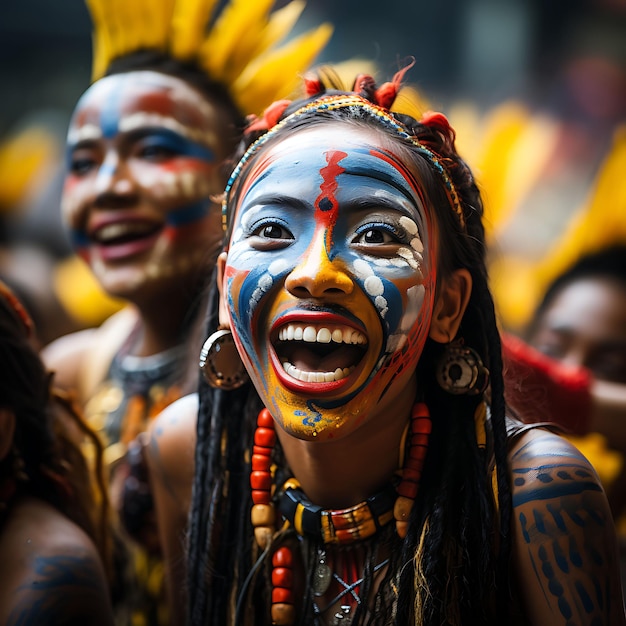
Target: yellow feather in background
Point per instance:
(410, 102)
(236, 48)
(500, 133)
(233, 37)
(518, 283)
(157, 17)
(265, 80)
(189, 22)
(279, 25)
(600, 223)
(100, 36)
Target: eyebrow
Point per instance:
(142, 119)
(84, 134)
(385, 200)
(281, 201)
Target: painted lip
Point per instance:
(318, 320)
(121, 236)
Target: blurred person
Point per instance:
(581, 322)
(148, 147)
(570, 369)
(550, 162)
(54, 546)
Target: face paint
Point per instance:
(330, 278)
(143, 155)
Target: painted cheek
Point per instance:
(248, 327)
(183, 179)
(74, 201)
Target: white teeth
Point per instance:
(113, 231)
(317, 377)
(311, 334)
(323, 335)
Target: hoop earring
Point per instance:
(461, 371)
(220, 362)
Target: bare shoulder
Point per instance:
(174, 429)
(171, 443)
(80, 360)
(65, 356)
(51, 570)
(564, 537)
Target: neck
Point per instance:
(341, 473)
(161, 326)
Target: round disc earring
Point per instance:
(220, 362)
(461, 371)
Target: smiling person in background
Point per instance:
(148, 148)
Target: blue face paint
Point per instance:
(330, 231)
(170, 141)
(183, 215)
(143, 148)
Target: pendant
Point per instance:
(342, 617)
(322, 576)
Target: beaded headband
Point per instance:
(329, 103)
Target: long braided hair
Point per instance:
(46, 460)
(452, 566)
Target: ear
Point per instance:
(450, 305)
(7, 430)
(222, 310)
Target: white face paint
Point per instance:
(330, 278)
(144, 157)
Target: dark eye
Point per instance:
(270, 235)
(82, 161)
(375, 236)
(80, 167)
(273, 231)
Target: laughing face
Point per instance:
(329, 278)
(143, 157)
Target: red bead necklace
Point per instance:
(338, 527)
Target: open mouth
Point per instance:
(122, 240)
(319, 353)
(121, 233)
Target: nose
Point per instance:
(112, 179)
(317, 276)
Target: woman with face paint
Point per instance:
(364, 475)
(147, 150)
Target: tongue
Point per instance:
(310, 360)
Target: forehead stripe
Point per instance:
(375, 112)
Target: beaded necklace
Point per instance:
(328, 527)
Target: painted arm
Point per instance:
(57, 584)
(565, 551)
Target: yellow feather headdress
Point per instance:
(243, 46)
(508, 152)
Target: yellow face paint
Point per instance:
(329, 279)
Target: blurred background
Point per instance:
(536, 90)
